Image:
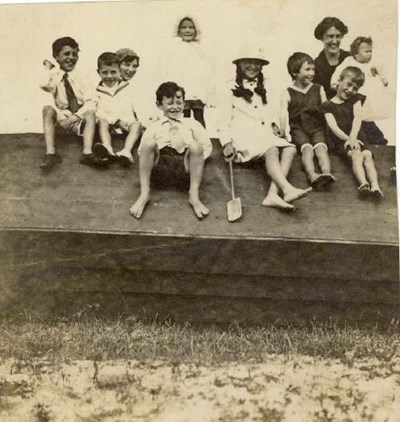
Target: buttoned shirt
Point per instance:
(178, 134)
(52, 82)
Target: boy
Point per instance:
(172, 151)
(74, 110)
(307, 129)
(115, 110)
(343, 115)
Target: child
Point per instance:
(187, 64)
(172, 151)
(373, 88)
(246, 128)
(75, 105)
(307, 129)
(128, 63)
(343, 115)
(115, 110)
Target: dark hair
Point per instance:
(327, 23)
(62, 42)
(168, 90)
(246, 94)
(107, 59)
(355, 45)
(295, 62)
(187, 18)
(357, 75)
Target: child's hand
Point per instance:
(229, 152)
(353, 144)
(374, 71)
(48, 64)
(277, 131)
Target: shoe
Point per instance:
(93, 161)
(318, 183)
(100, 151)
(50, 160)
(124, 160)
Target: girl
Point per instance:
(343, 115)
(187, 65)
(247, 131)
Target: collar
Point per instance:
(165, 120)
(111, 91)
(302, 90)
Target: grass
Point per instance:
(93, 338)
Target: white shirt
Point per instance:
(52, 81)
(178, 134)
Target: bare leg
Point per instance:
(290, 193)
(307, 159)
(321, 151)
(273, 199)
(358, 167)
(146, 164)
(133, 136)
(88, 132)
(105, 136)
(372, 174)
(49, 128)
(196, 165)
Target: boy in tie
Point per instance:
(74, 104)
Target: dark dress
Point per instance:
(324, 71)
(344, 116)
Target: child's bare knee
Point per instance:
(48, 111)
(89, 116)
(196, 149)
(291, 151)
(320, 149)
(148, 145)
(367, 155)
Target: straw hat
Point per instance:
(250, 51)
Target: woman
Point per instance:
(330, 31)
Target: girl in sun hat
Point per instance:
(248, 131)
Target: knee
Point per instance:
(89, 116)
(290, 151)
(195, 149)
(320, 150)
(48, 111)
(148, 145)
(367, 155)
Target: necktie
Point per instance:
(73, 105)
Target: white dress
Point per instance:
(248, 125)
(375, 106)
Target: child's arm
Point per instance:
(353, 142)
(224, 109)
(333, 126)
(285, 100)
(377, 70)
(46, 81)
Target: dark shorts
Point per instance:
(300, 138)
(169, 171)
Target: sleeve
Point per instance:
(224, 113)
(200, 135)
(338, 71)
(47, 80)
(90, 98)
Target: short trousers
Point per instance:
(170, 171)
(300, 138)
(75, 129)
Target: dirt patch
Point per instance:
(295, 388)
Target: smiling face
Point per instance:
(332, 39)
(67, 58)
(109, 74)
(305, 75)
(347, 87)
(172, 107)
(250, 68)
(187, 30)
(364, 53)
(128, 69)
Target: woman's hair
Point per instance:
(187, 18)
(355, 45)
(246, 94)
(327, 23)
(355, 74)
(295, 62)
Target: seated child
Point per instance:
(115, 110)
(374, 87)
(307, 128)
(128, 63)
(343, 116)
(172, 151)
(75, 104)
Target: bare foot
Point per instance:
(138, 207)
(275, 201)
(294, 193)
(376, 192)
(198, 207)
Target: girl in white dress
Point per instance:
(248, 131)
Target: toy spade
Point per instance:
(234, 206)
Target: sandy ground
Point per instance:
(295, 388)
